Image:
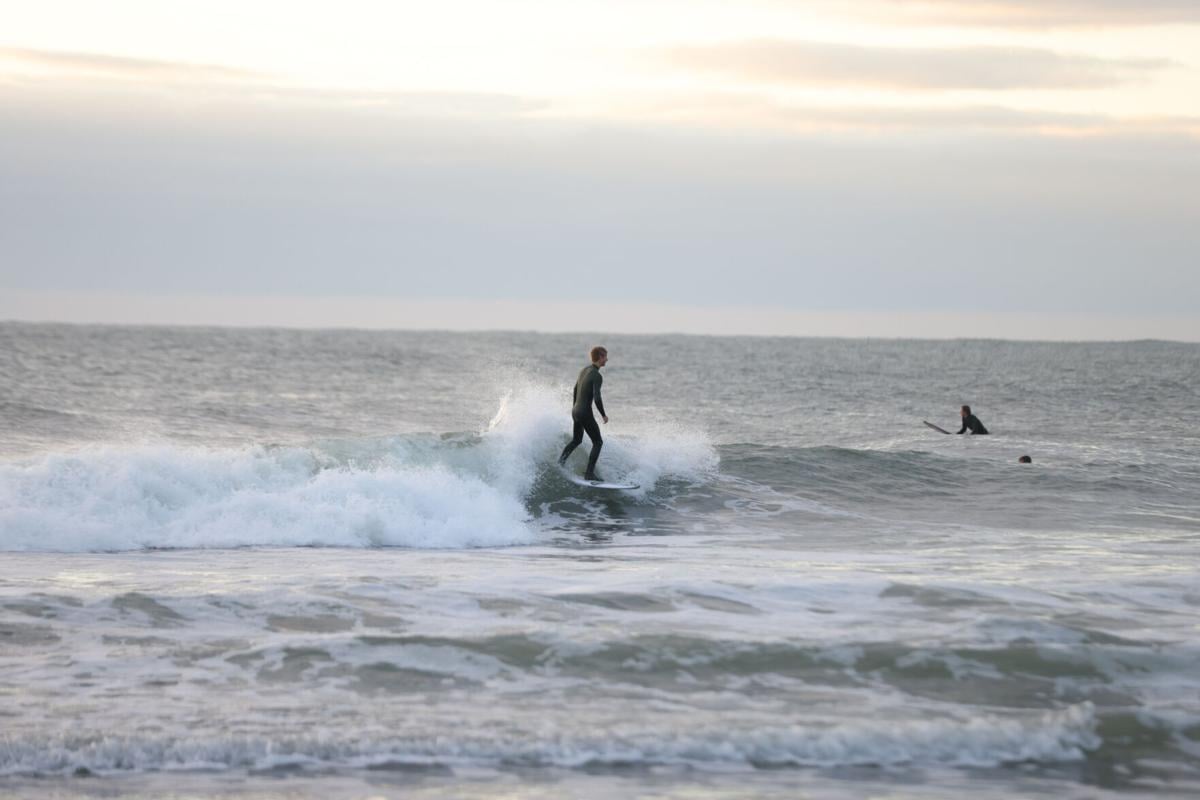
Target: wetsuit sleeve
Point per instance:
(596, 395)
(963, 429)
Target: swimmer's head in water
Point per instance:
(1024, 460)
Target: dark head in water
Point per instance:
(1024, 460)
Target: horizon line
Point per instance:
(473, 315)
(536, 332)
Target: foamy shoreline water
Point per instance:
(394, 651)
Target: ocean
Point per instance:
(343, 564)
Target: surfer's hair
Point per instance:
(597, 353)
(967, 409)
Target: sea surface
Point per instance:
(343, 564)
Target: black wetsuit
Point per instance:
(971, 423)
(587, 391)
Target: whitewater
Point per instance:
(269, 563)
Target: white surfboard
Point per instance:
(581, 481)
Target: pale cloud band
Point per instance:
(82, 83)
(987, 68)
(100, 65)
(1044, 13)
(90, 76)
(964, 120)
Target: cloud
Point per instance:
(1048, 13)
(995, 119)
(756, 111)
(828, 64)
(84, 73)
(120, 67)
(103, 94)
(966, 118)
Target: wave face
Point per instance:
(943, 485)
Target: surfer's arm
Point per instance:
(963, 429)
(596, 396)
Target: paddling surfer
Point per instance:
(587, 391)
(971, 423)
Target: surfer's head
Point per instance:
(1024, 460)
(599, 355)
(966, 411)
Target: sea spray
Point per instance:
(527, 430)
(533, 423)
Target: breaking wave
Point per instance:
(430, 491)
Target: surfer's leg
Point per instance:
(593, 432)
(576, 440)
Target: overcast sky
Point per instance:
(1020, 168)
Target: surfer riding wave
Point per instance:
(587, 392)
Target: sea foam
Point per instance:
(1053, 736)
(109, 499)
(468, 490)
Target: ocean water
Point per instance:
(267, 563)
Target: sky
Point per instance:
(941, 168)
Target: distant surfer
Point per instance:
(587, 391)
(1024, 460)
(971, 423)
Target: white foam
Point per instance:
(407, 492)
(980, 741)
(109, 499)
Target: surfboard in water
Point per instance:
(581, 481)
(935, 427)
